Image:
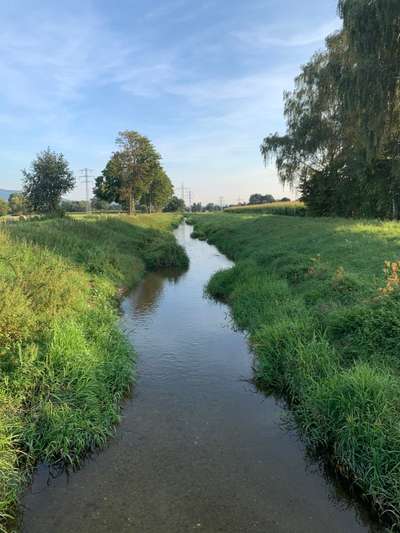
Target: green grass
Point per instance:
(297, 209)
(326, 335)
(64, 364)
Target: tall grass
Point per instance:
(320, 299)
(64, 364)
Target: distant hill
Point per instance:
(4, 193)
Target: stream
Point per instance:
(198, 448)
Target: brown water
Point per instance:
(199, 448)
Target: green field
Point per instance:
(320, 299)
(65, 366)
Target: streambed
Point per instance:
(199, 448)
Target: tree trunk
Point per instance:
(132, 210)
(395, 207)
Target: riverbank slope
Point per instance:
(65, 366)
(320, 299)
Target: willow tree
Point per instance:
(371, 90)
(311, 152)
(343, 117)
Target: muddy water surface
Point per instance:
(199, 448)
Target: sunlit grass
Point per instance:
(320, 299)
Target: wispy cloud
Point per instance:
(278, 36)
(199, 83)
(58, 59)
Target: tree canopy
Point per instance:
(3, 207)
(134, 175)
(17, 203)
(261, 199)
(48, 179)
(341, 145)
(175, 204)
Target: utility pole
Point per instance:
(86, 180)
(187, 191)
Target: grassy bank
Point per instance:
(321, 302)
(64, 364)
(297, 209)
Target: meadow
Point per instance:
(65, 366)
(320, 300)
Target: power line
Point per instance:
(85, 179)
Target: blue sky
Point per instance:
(202, 78)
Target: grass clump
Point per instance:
(354, 415)
(320, 299)
(64, 364)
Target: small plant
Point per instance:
(391, 270)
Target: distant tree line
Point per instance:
(16, 205)
(256, 199)
(133, 179)
(197, 207)
(341, 147)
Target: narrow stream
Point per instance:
(199, 448)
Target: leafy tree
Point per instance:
(108, 184)
(175, 204)
(371, 89)
(101, 205)
(48, 179)
(17, 203)
(341, 144)
(197, 207)
(212, 207)
(74, 206)
(255, 199)
(158, 192)
(134, 174)
(3, 207)
(261, 199)
(135, 163)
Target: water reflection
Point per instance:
(150, 290)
